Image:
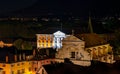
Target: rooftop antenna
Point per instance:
(61, 26)
(72, 31)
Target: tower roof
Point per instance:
(59, 33)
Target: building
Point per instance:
(41, 58)
(37, 65)
(79, 49)
(44, 41)
(101, 53)
(21, 63)
(67, 46)
(50, 40)
(74, 49)
(16, 66)
(97, 47)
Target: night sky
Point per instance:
(13, 5)
(79, 7)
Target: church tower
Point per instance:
(90, 28)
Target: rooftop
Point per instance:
(91, 39)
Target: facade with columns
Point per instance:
(101, 53)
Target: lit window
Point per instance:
(23, 71)
(12, 65)
(29, 69)
(18, 64)
(4, 65)
(22, 63)
(3, 72)
(18, 72)
(35, 69)
(12, 72)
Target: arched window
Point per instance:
(89, 50)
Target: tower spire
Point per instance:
(90, 28)
(61, 26)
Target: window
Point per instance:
(3, 65)
(12, 65)
(29, 69)
(12, 72)
(22, 63)
(18, 72)
(18, 64)
(72, 54)
(3, 72)
(82, 47)
(110, 57)
(23, 70)
(42, 71)
(35, 69)
(89, 50)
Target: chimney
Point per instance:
(47, 52)
(6, 59)
(34, 52)
(23, 56)
(20, 57)
(15, 57)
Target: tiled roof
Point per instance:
(91, 39)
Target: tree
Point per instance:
(116, 42)
(26, 45)
(23, 45)
(18, 43)
(111, 24)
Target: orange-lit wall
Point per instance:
(44, 41)
(99, 51)
(9, 67)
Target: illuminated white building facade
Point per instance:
(58, 37)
